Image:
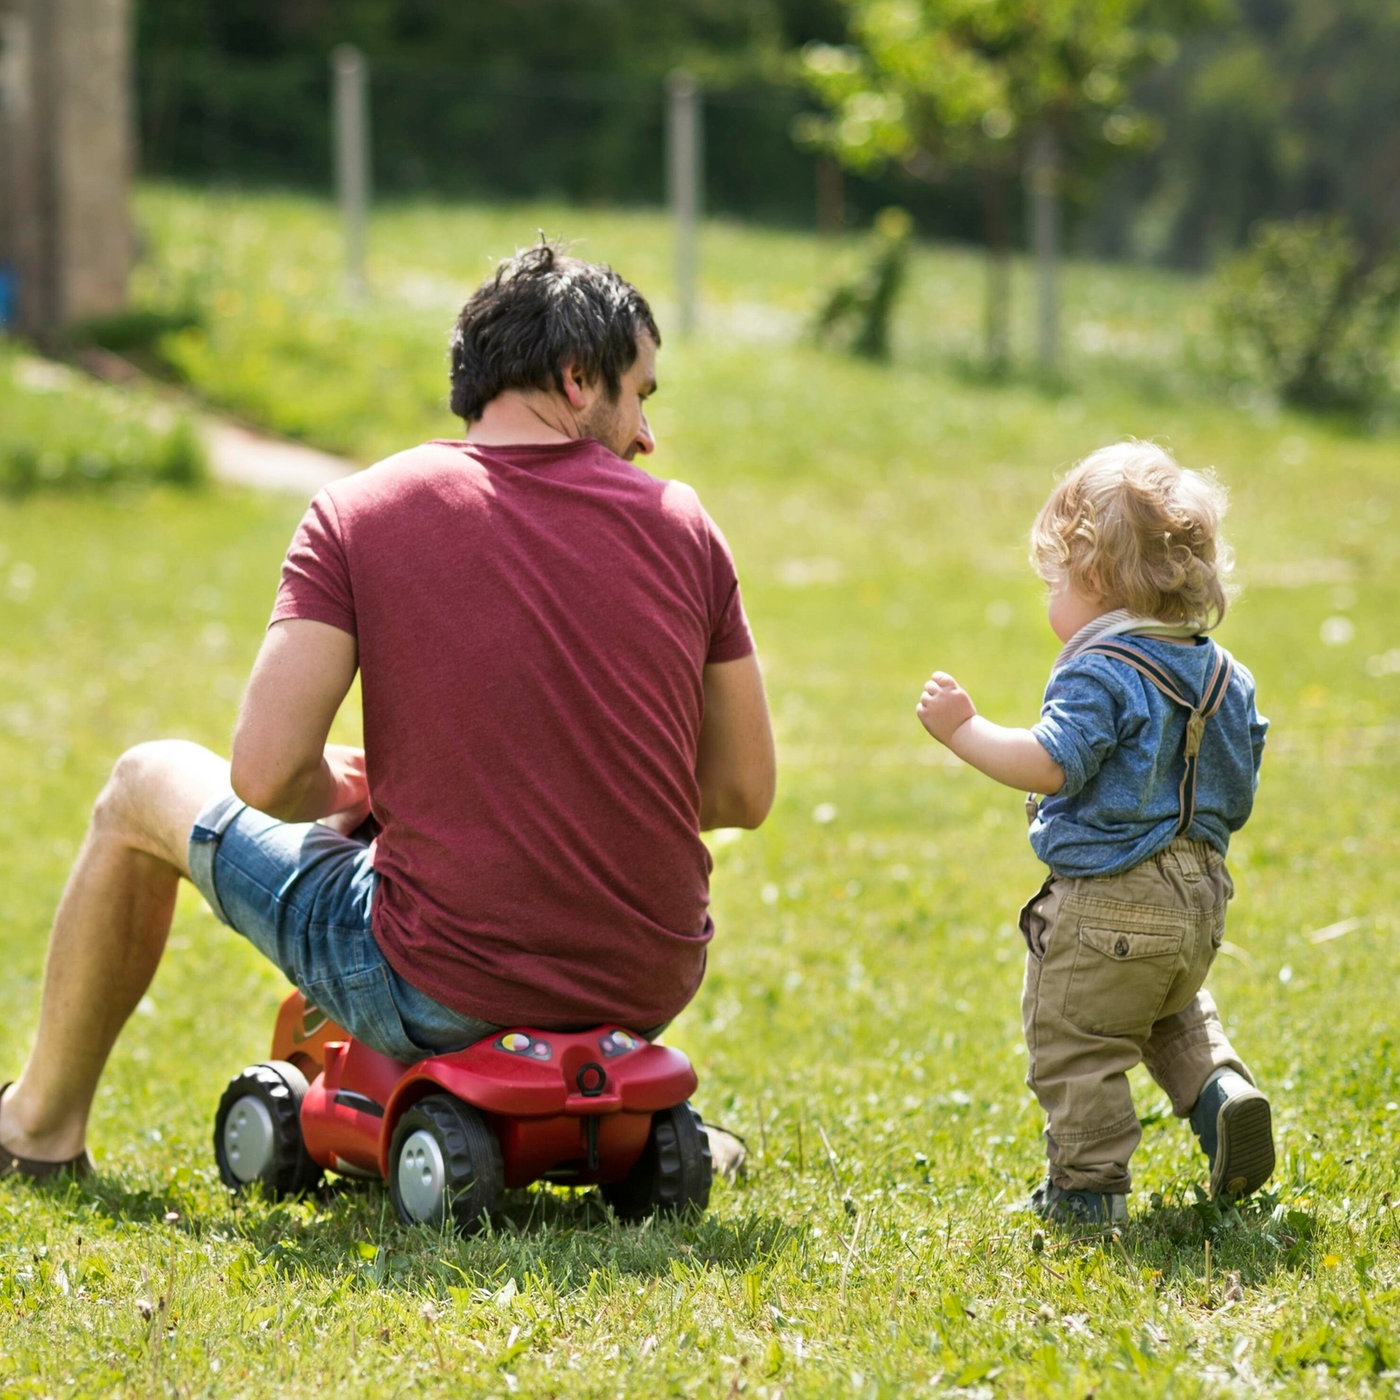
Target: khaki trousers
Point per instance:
(1114, 977)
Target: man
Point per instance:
(559, 693)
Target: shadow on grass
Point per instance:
(1219, 1248)
(1254, 1238)
(348, 1232)
(1153, 382)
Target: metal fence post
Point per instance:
(350, 114)
(683, 175)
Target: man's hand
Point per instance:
(944, 707)
(346, 768)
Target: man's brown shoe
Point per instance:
(11, 1164)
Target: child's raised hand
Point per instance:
(944, 707)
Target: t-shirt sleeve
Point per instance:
(316, 582)
(730, 637)
(1078, 724)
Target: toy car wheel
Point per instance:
(672, 1174)
(445, 1164)
(257, 1131)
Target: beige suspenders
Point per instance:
(1198, 712)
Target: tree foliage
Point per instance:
(939, 85)
(1291, 108)
(933, 84)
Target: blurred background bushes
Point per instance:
(1307, 313)
(59, 431)
(1271, 108)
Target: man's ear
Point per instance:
(577, 389)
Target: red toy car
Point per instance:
(450, 1133)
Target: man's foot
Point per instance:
(12, 1164)
(1236, 1128)
(1072, 1206)
(729, 1154)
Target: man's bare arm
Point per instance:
(735, 766)
(281, 764)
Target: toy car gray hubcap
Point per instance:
(422, 1176)
(249, 1138)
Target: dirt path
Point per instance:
(250, 458)
(237, 453)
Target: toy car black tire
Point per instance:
(257, 1131)
(445, 1165)
(673, 1173)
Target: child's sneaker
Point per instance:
(1236, 1128)
(1070, 1206)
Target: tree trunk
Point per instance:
(65, 134)
(831, 197)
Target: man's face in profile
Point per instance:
(620, 424)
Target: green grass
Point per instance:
(277, 340)
(61, 433)
(859, 1022)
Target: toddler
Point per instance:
(1147, 751)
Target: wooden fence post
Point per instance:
(1043, 178)
(350, 107)
(683, 177)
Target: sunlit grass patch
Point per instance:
(59, 432)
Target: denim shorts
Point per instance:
(302, 895)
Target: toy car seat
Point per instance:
(452, 1132)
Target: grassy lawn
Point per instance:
(60, 432)
(859, 1023)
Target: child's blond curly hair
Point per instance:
(1131, 526)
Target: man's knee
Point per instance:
(126, 788)
(155, 791)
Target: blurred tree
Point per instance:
(1293, 107)
(66, 160)
(937, 85)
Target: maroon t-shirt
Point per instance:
(532, 625)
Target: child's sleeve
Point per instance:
(1079, 722)
(1258, 725)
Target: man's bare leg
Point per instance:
(108, 936)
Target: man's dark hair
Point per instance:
(540, 311)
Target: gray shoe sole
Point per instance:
(1244, 1145)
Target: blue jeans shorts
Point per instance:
(302, 894)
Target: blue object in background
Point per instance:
(7, 295)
